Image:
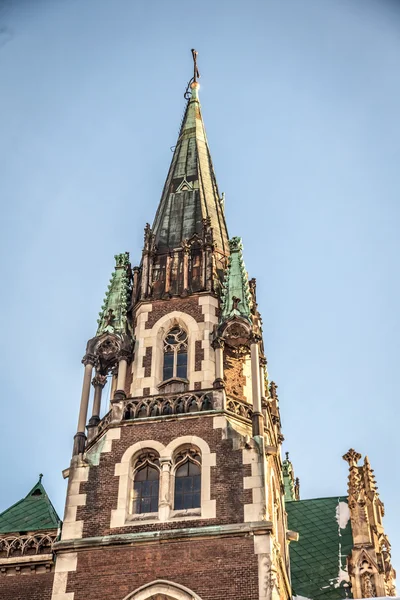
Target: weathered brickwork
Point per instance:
(147, 361)
(215, 569)
(21, 587)
(199, 355)
(235, 380)
(101, 489)
(163, 307)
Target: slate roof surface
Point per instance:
(35, 512)
(182, 209)
(318, 560)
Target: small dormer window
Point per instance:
(175, 354)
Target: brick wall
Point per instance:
(235, 380)
(162, 307)
(35, 586)
(226, 477)
(213, 568)
(147, 361)
(199, 355)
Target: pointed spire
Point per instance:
(190, 193)
(113, 315)
(236, 296)
(35, 512)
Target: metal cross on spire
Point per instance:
(196, 73)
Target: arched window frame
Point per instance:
(121, 516)
(182, 456)
(176, 345)
(147, 457)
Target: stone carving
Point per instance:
(374, 575)
(90, 359)
(272, 390)
(241, 409)
(153, 406)
(368, 587)
(99, 380)
(23, 545)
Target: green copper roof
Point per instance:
(190, 193)
(113, 315)
(236, 291)
(318, 559)
(35, 512)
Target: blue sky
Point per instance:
(300, 101)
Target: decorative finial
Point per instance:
(40, 477)
(192, 86)
(196, 74)
(352, 457)
(287, 455)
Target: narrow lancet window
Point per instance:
(146, 484)
(187, 480)
(175, 354)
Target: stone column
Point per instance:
(263, 363)
(258, 421)
(209, 267)
(203, 269)
(145, 275)
(135, 283)
(165, 485)
(123, 358)
(98, 382)
(186, 250)
(89, 360)
(218, 345)
(168, 262)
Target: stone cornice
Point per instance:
(151, 537)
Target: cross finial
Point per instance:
(196, 73)
(40, 477)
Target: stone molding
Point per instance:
(123, 470)
(146, 537)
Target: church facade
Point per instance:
(179, 490)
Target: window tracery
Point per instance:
(187, 480)
(146, 483)
(175, 354)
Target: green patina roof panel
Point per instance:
(35, 512)
(318, 560)
(190, 193)
(236, 295)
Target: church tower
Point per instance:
(177, 491)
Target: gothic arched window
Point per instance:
(187, 480)
(175, 354)
(146, 480)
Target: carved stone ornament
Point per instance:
(236, 332)
(272, 390)
(89, 359)
(108, 349)
(352, 457)
(255, 338)
(218, 343)
(99, 380)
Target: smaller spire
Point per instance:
(113, 314)
(291, 484)
(236, 296)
